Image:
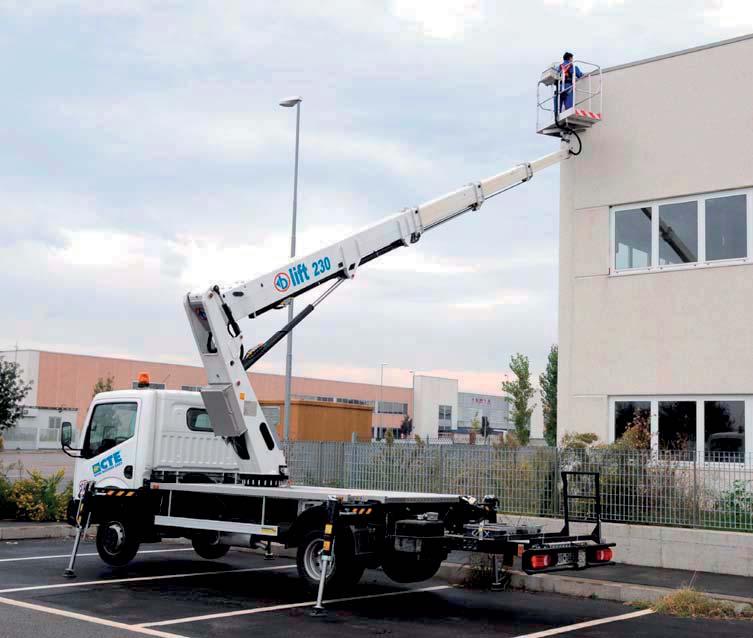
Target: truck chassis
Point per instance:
(407, 534)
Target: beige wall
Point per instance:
(68, 379)
(672, 127)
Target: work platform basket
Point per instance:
(575, 107)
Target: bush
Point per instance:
(38, 498)
(689, 603)
(7, 506)
(579, 440)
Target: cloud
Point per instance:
(443, 19)
(730, 14)
(498, 298)
(586, 6)
(145, 155)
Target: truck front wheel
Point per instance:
(117, 542)
(344, 570)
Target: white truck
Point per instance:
(156, 464)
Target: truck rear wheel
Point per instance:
(117, 542)
(405, 568)
(207, 545)
(343, 571)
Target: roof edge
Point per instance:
(674, 54)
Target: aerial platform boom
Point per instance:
(214, 314)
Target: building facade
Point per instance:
(62, 386)
(475, 406)
(656, 257)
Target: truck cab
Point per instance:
(133, 436)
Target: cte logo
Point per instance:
(294, 277)
(108, 463)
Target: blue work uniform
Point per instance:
(566, 89)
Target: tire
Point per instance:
(207, 545)
(405, 568)
(117, 542)
(344, 571)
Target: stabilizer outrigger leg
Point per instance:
(83, 518)
(328, 548)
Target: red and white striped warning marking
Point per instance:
(590, 114)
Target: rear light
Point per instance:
(541, 561)
(602, 555)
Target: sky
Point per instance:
(144, 155)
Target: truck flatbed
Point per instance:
(311, 493)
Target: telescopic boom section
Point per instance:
(230, 401)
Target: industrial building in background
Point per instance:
(656, 256)
(62, 386)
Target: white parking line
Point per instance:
(583, 625)
(136, 579)
(143, 551)
(308, 603)
(91, 619)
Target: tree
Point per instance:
(475, 427)
(103, 385)
(520, 392)
(485, 429)
(406, 427)
(13, 390)
(548, 388)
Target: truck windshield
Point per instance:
(111, 424)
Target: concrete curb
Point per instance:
(582, 587)
(35, 531)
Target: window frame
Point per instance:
(90, 416)
(195, 429)
(700, 425)
(701, 222)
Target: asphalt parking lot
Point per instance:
(169, 591)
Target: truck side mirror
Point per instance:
(66, 434)
(66, 438)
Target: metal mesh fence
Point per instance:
(688, 489)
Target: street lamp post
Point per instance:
(288, 103)
(381, 390)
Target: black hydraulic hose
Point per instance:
(254, 355)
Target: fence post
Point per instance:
(342, 463)
(320, 478)
(441, 487)
(696, 503)
(556, 483)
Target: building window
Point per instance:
(712, 427)
(445, 413)
(677, 425)
(678, 233)
(391, 407)
(703, 230)
(724, 431)
(54, 422)
(726, 227)
(632, 231)
(628, 414)
(151, 386)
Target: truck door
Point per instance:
(110, 444)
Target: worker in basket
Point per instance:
(567, 69)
